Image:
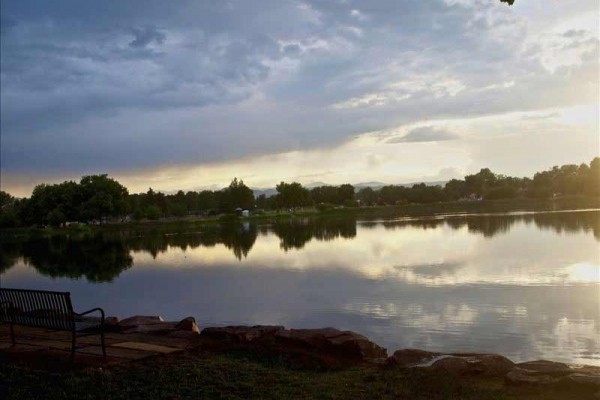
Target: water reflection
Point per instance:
(492, 225)
(239, 238)
(102, 257)
(295, 233)
(96, 258)
(525, 286)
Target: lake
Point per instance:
(523, 285)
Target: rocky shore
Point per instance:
(330, 348)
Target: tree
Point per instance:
(292, 195)
(104, 197)
(237, 195)
(592, 181)
(324, 194)
(367, 196)
(345, 193)
(5, 199)
(480, 182)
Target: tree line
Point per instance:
(99, 198)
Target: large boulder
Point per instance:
(411, 357)
(186, 328)
(546, 367)
(522, 377)
(241, 334)
(555, 375)
(456, 363)
(304, 348)
(145, 324)
(111, 324)
(475, 364)
(333, 341)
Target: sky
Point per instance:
(189, 94)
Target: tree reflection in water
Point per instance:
(102, 257)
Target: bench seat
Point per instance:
(49, 310)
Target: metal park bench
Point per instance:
(50, 310)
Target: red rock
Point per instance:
(521, 377)
(140, 320)
(547, 367)
(111, 321)
(241, 334)
(475, 364)
(329, 340)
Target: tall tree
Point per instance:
(292, 195)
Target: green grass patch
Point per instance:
(235, 377)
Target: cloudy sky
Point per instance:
(189, 94)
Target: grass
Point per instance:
(231, 377)
(246, 376)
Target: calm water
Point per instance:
(527, 286)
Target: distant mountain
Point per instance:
(266, 192)
(434, 183)
(315, 184)
(372, 185)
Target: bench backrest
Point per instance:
(38, 308)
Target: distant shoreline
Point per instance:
(442, 209)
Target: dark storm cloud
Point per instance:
(123, 84)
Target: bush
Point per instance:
(56, 217)
(9, 219)
(152, 212)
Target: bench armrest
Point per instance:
(91, 311)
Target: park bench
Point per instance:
(50, 310)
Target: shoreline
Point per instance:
(271, 362)
(360, 346)
(370, 213)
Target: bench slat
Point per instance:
(38, 308)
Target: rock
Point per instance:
(410, 357)
(140, 320)
(475, 364)
(333, 341)
(543, 366)
(547, 367)
(145, 324)
(581, 380)
(454, 365)
(156, 328)
(564, 378)
(521, 377)
(304, 348)
(241, 334)
(490, 364)
(188, 324)
(111, 324)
